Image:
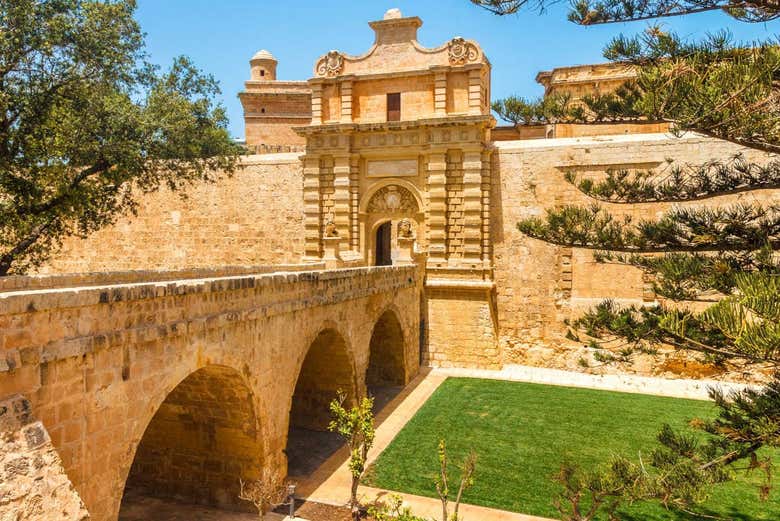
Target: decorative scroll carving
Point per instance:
(331, 64)
(462, 51)
(392, 198)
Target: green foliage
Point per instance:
(521, 111)
(590, 12)
(356, 426)
(680, 182)
(392, 510)
(737, 227)
(468, 468)
(726, 253)
(87, 124)
(522, 432)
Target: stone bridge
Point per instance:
(181, 383)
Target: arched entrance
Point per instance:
(386, 373)
(383, 209)
(326, 370)
(202, 440)
(383, 244)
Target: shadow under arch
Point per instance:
(327, 368)
(201, 441)
(387, 353)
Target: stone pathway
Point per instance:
(675, 388)
(331, 482)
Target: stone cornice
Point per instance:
(485, 120)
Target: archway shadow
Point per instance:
(307, 484)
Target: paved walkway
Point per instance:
(675, 388)
(331, 482)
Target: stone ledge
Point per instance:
(100, 278)
(17, 302)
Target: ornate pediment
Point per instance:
(396, 49)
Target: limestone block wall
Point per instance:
(33, 483)
(254, 217)
(539, 285)
(102, 366)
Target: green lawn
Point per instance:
(522, 432)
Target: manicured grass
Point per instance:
(521, 433)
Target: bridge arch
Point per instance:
(203, 438)
(327, 367)
(387, 352)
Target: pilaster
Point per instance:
(475, 91)
(312, 211)
(472, 207)
(440, 93)
(316, 103)
(341, 195)
(354, 194)
(436, 211)
(346, 101)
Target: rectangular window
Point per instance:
(394, 106)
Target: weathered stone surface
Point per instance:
(196, 377)
(33, 482)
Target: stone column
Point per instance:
(472, 208)
(312, 213)
(341, 195)
(437, 208)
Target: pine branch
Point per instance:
(681, 182)
(732, 228)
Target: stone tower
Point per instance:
(263, 66)
(273, 107)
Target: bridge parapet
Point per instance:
(42, 325)
(110, 361)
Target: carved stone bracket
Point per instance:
(330, 65)
(462, 51)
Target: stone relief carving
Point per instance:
(331, 64)
(392, 198)
(330, 229)
(405, 229)
(462, 51)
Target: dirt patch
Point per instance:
(321, 512)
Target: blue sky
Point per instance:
(221, 36)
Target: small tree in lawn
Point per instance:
(265, 493)
(356, 425)
(442, 482)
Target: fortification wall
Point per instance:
(539, 285)
(254, 217)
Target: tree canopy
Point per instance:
(701, 251)
(87, 123)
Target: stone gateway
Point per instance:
(372, 230)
